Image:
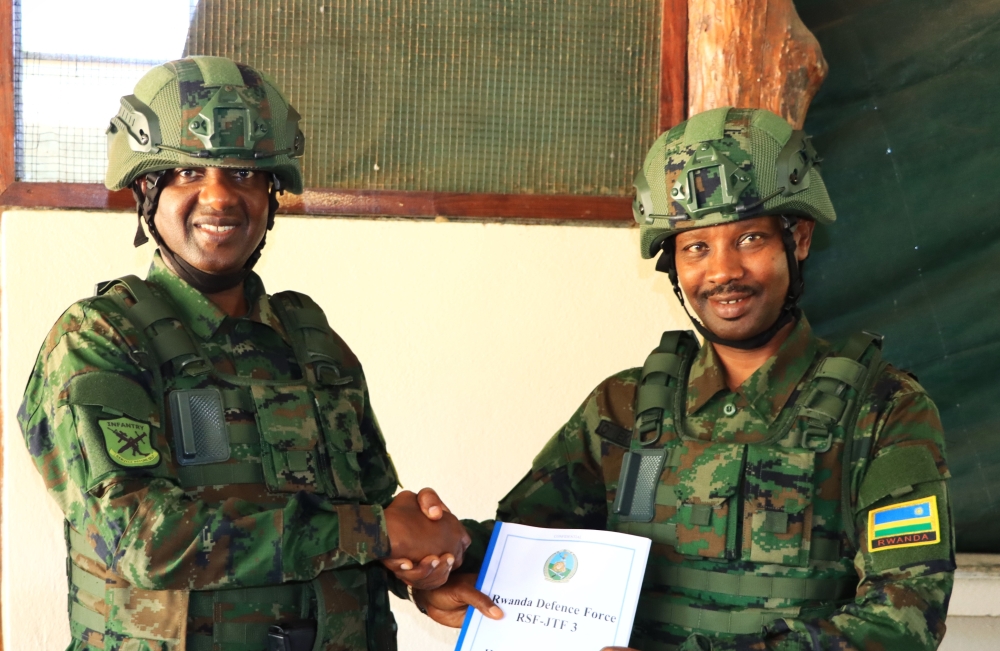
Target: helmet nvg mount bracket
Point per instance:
(722, 166)
(202, 112)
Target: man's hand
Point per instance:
(430, 573)
(447, 604)
(421, 526)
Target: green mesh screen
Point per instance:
(539, 96)
(907, 123)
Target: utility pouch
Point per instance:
(300, 636)
(342, 438)
(199, 424)
(290, 454)
(707, 479)
(635, 500)
(778, 512)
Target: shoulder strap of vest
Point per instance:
(167, 343)
(857, 347)
(661, 375)
(832, 389)
(312, 338)
(836, 391)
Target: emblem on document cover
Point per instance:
(560, 567)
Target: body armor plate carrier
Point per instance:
(718, 536)
(319, 457)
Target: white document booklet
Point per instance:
(560, 590)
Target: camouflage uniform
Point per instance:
(172, 556)
(218, 475)
(807, 509)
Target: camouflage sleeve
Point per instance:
(138, 518)
(378, 473)
(902, 598)
(565, 487)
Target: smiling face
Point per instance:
(212, 217)
(735, 275)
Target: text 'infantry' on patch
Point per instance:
(127, 442)
(909, 524)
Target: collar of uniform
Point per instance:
(770, 386)
(202, 315)
(260, 306)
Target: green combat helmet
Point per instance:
(202, 112)
(722, 166)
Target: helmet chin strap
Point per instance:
(206, 283)
(790, 311)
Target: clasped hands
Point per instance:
(426, 543)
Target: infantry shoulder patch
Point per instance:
(127, 442)
(909, 524)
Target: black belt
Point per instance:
(299, 636)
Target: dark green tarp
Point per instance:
(908, 123)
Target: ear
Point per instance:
(803, 234)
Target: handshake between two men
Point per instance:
(427, 542)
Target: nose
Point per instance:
(217, 192)
(724, 265)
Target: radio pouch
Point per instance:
(199, 424)
(636, 496)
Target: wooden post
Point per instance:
(752, 54)
(6, 94)
(673, 63)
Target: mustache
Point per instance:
(729, 288)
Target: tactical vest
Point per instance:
(737, 539)
(317, 454)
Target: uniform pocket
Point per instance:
(338, 417)
(708, 478)
(779, 505)
(290, 435)
(146, 620)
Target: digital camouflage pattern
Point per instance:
(725, 165)
(168, 557)
(204, 111)
(737, 515)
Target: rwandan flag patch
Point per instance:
(909, 524)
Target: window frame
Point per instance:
(334, 202)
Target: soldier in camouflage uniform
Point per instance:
(794, 491)
(225, 484)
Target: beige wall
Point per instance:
(478, 341)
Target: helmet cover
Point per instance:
(725, 165)
(204, 112)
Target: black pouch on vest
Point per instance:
(300, 636)
(199, 424)
(636, 496)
